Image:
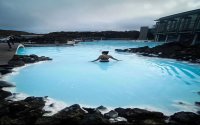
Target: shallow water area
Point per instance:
(136, 81)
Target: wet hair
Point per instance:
(105, 52)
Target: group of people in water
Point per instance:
(104, 57)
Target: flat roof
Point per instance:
(180, 14)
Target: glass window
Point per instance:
(198, 25)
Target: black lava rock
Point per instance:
(5, 84)
(184, 118)
(138, 116)
(197, 104)
(4, 94)
(173, 50)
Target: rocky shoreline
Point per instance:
(182, 51)
(31, 110)
(21, 60)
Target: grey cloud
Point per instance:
(80, 15)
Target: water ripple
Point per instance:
(187, 73)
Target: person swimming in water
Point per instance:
(105, 57)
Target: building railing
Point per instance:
(177, 27)
(185, 23)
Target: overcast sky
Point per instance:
(43, 16)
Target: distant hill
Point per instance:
(105, 35)
(4, 33)
(63, 37)
(96, 35)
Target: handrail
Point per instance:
(19, 46)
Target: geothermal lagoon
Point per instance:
(145, 82)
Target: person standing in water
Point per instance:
(105, 57)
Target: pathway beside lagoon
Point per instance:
(5, 53)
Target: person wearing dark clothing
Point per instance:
(105, 57)
(9, 41)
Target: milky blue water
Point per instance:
(137, 81)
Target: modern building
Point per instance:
(179, 27)
(143, 33)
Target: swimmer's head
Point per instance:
(105, 52)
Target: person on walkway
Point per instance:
(9, 41)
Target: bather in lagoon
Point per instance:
(105, 57)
